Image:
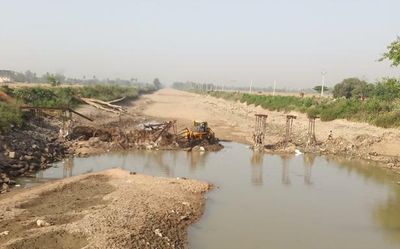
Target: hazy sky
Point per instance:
(220, 41)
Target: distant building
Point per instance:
(7, 76)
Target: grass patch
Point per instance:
(10, 115)
(374, 110)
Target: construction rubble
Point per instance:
(27, 150)
(20, 156)
(84, 140)
(51, 134)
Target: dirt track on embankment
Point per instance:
(235, 121)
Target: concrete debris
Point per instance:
(184, 217)
(42, 223)
(158, 232)
(11, 154)
(20, 156)
(186, 203)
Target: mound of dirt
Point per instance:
(57, 206)
(111, 209)
(51, 240)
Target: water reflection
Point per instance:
(285, 168)
(157, 158)
(197, 159)
(387, 214)
(308, 160)
(257, 160)
(68, 167)
(346, 203)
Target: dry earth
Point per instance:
(235, 121)
(112, 209)
(116, 209)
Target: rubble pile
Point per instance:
(26, 150)
(206, 145)
(23, 151)
(281, 147)
(85, 140)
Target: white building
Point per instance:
(6, 76)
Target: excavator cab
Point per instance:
(200, 126)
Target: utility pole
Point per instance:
(273, 93)
(251, 85)
(323, 73)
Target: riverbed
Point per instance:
(270, 201)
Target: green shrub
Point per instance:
(312, 112)
(69, 96)
(357, 100)
(388, 89)
(37, 96)
(9, 115)
(387, 120)
(108, 92)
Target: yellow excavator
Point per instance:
(199, 132)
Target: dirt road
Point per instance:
(235, 121)
(112, 209)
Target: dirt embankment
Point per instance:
(112, 209)
(235, 121)
(25, 150)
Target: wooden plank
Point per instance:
(56, 108)
(80, 114)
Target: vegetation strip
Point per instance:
(353, 99)
(66, 96)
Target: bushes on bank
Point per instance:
(382, 108)
(9, 115)
(68, 96)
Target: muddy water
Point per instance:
(271, 201)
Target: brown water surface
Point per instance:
(271, 201)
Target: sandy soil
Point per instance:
(235, 121)
(116, 209)
(112, 209)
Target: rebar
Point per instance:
(259, 130)
(289, 128)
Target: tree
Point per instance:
(30, 77)
(52, 79)
(388, 89)
(60, 77)
(363, 90)
(157, 83)
(19, 77)
(347, 87)
(318, 88)
(393, 53)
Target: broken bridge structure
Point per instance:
(259, 131)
